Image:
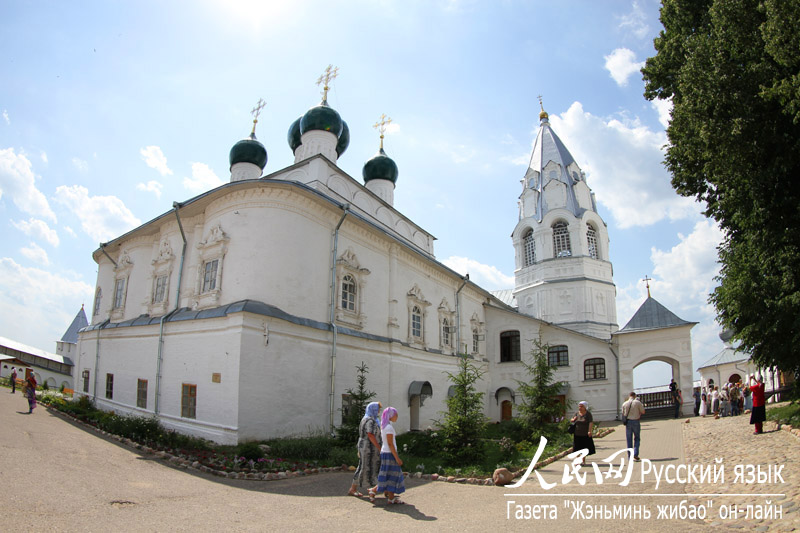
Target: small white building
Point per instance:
(242, 313)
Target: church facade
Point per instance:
(242, 313)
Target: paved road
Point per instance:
(59, 476)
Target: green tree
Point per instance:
(540, 406)
(464, 420)
(360, 397)
(731, 68)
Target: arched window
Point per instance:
(416, 322)
(348, 293)
(591, 241)
(561, 244)
(529, 248)
(445, 332)
(594, 369)
(558, 356)
(509, 346)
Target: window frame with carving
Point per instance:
(447, 328)
(592, 249)
(213, 248)
(161, 275)
(349, 268)
(417, 307)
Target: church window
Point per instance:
(141, 393)
(594, 368)
(561, 244)
(85, 376)
(349, 293)
(558, 356)
(110, 386)
(416, 322)
(119, 293)
(529, 247)
(509, 346)
(591, 241)
(210, 275)
(189, 401)
(160, 289)
(445, 332)
(97, 298)
(475, 341)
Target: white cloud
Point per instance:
(154, 158)
(43, 155)
(36, 254)
(6, 117)
(19, 183)
(621, 64)
(38, 305)
(664, 110)
(80, 164)
(622, 161)
(203, 178)
(102, 217)
(459, 153)
(635, 21)
(487, 276)
(151, 186)
(70, 231)
(37, 229)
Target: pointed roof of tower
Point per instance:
(549, 147)
(78, 323)
(653, 315)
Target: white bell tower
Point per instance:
(563, 274)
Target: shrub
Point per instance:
(343, 456)
(309, 448)
(250, 451)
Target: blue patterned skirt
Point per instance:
(390, 476)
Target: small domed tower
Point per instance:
(380, 172)
(320, 130)
(248, 157)
(563, 271)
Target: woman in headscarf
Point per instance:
(390, 478)
(369, 452)
(582, 438)
(30, 392)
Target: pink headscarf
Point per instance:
(387, 414)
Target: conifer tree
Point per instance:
(464, 420)
(360, 397)
(540, 408)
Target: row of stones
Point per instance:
(274, 476)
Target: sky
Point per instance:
(113, 110)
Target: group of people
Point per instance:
(28, 388)
(732, 400)
(377, 456)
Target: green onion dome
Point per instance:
(294, 135)
(380, 167)
(249, 150)
(322, 117)
(344, 140)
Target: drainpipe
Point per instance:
(458, 315)
(334, 248)
(97, 345)
(616, 358)
(160, 358)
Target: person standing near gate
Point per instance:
(13, 380)
(633, 410)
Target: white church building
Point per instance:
(241, 313)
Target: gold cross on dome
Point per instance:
(381, 126)
(256, 111)
(540, 102)
(647, 282)
(329, 75)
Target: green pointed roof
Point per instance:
(653, 315)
